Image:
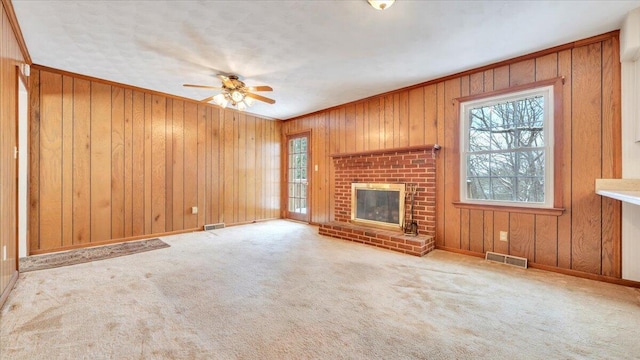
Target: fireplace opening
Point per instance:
(378, 204)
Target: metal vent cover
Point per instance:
(213, 226)
(506, 259)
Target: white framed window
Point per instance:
(507, 149)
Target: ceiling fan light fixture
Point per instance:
(221, 100)
(241, 106)
(381, 4)
(236, 96)
(248, 101)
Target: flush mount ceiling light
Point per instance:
(235, 92)
(381, 4)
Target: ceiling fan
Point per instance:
(235, 92)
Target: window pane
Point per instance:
(503, 188)
(478, 165)
(531, 189)
(530, 163)
(479, 188)
(503, 164)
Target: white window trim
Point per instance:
(548, 93)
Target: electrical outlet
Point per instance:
(316, 167)
(194, 209)
(504, 236)
(4, 252)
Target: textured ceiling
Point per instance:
(315, 54)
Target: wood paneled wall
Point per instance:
(584, 239)
(110, 162)
(10, 57)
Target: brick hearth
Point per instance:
(392, 240)
(413, 165)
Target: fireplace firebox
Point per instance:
(376, 204)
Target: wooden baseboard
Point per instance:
(7, 290)
(112, 241)
(580, 274)
(249, 222)
(460, 251)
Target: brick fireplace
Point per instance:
(411, 165)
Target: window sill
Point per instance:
(513, 209)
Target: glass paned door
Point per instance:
(298, 177)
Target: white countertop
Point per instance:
(627, 190)
(630, 196)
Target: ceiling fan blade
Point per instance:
(205, 100)
(260, 98)
(259, 88)
(202, 86)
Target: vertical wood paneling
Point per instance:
(350, 128)
(34, 161)
(464, 213)
(611, 152)
(430, 115)
(521, 235)
(121, 163)
(67, 161)
(128, 163)
(388, 122)
(117, 163)
(464, 229)
(564, 220)
(476, 231)
(440, 163)
(240, 192)
(229, 161)
(178, 165)
(501, 77)
(138, 164)
(451, 152)
(100, 162)
(51, 161)
(260, 153)
(360, 127)
(202, 128)
(523, 72)
(488, 234)
(403, 118)
(547, 67)
(250, 161)
(81, 162)
(587, 142)
(148, 164)
(214, 193)
(168, 165)
(416, 116)
(546, 240)
(500, 223)
(158, 162)
(190, 164)
(375, 129)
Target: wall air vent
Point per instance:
(213, 226)
(506, 259)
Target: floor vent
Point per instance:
(507, 259)
(213, 226)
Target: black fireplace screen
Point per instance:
(378, 205)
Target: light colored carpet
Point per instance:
(277, 290)
(79, 256)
